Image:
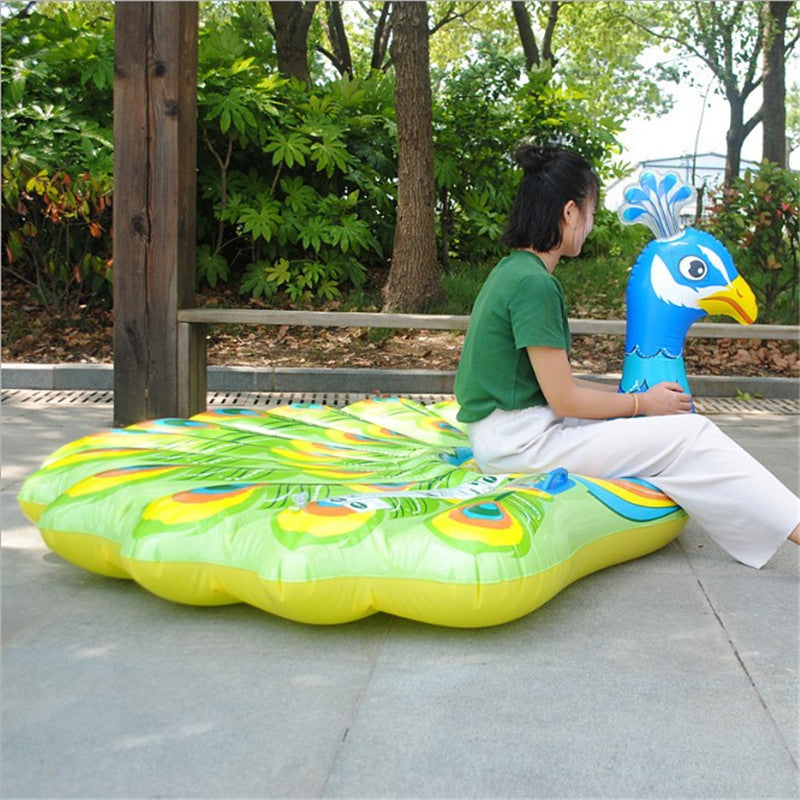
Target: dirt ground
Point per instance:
(31, 334)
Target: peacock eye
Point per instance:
(693, 268)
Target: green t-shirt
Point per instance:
(520, 305)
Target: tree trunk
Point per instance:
(414, 282)
(292, 21)
(734, 138)
(774, 87)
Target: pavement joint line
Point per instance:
(351, 719)
(753, 686)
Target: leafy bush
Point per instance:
(57, 235)
(297, 183)
(758, 220)
(610, 238)
(58, 75)
(481, 113)
(57, 152)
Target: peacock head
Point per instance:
(683, 268)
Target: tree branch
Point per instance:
(756, 119)
(671, 38)
(24, 12)
(552, 18)
(451, 15)
(380, 41)
(338, 37)
(526, 35)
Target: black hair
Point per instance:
(553, 176)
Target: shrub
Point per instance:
(481, 113)
(297, 183)
(758, 220)
(57, 235)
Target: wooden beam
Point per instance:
(452, 322)
(155, 155)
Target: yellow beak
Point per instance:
(735, 300)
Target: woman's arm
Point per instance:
(571, 397)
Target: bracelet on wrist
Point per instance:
(635, 405)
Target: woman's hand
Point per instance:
(664, 398)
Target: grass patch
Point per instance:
(594, 286)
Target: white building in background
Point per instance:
(697, 170)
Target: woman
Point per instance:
(526, 412)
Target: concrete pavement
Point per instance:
(674, 676)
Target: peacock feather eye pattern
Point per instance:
(656, 201)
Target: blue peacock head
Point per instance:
(681, 276)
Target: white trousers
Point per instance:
(741, 505)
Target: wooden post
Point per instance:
(155, 155)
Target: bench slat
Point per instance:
(452, 322)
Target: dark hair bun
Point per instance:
(534, 158)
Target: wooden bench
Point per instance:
(192, 323)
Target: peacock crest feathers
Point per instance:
(656, 201)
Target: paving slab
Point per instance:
(672, 676)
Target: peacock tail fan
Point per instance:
(656, 201)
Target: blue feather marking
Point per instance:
(669, 181)
(660, 353)
(635, 195)
(630, 215)
(649, 181)
(684, 193)
(625, 508)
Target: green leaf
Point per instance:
(446, 171)
(328, 289)
(330, 155)
(298, 195)
(211, 267)
(290, 148)
(279, 273)
(256, 281)
(313, 232)
(351, 234)
(261, 221)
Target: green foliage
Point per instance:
(758, 220)
(57, 87)
(57, 151)
(212, 268)
(594, 286)
(598, 48)
(296, 182)
(462, 282)
(610, 238)
(475, 178)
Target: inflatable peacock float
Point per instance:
(327, 515)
